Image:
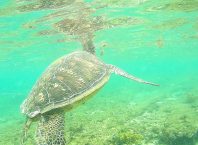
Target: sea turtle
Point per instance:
(67, 82)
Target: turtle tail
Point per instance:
(121, 72)
(50, 130)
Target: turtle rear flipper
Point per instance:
(121, 72)
(50, 130)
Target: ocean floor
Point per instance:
(110, 118)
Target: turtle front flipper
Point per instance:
(25, 130)
(50, 130)
(121, 72)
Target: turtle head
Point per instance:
(118, 71)
(29, 110)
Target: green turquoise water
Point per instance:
(154, 40)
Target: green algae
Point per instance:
(183, 132)
(125, 138)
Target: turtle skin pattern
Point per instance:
(50, 130)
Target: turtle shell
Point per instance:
(66, 81)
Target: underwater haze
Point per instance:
(153, 40)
